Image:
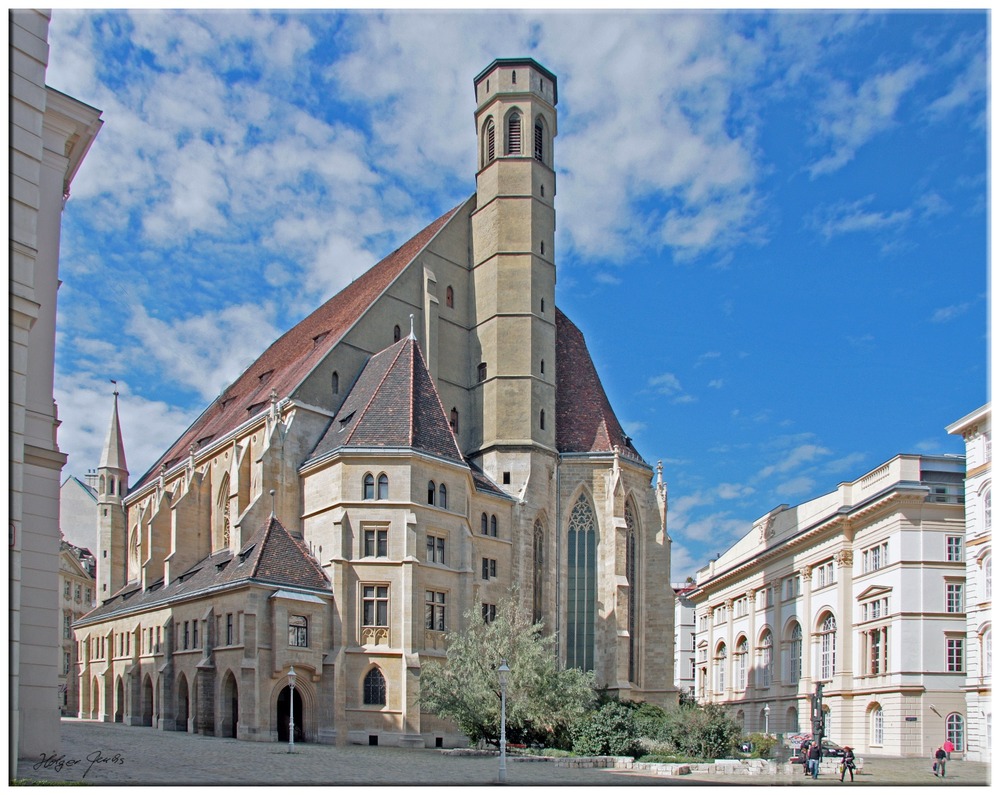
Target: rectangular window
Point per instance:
(66, 587)
(481, 372)
(229, 629)
(489, 613)
(376, 543)
(955, 602)
(489, 568)
(90, 596)
(186, 636)
(298, 631)
(65, 662)
(876, 557)
(157, 638)
(375, 606)
(793, 587)
(435, 550)
(67, 629)
(434, 617)
(954, 549)
(823, 575)
(194, 634)
(955, 655)
(77, 593)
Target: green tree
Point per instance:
(542, 699)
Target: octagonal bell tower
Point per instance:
(514, 273)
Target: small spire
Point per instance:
(412, 335)
(272, 502)
(113, 454)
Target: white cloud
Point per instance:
(795, 486)
(847, 119)
(716, 383)
(733, 491)
(947, 313)
(851, 217)
(794, 458)
(666, 383)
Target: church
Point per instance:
(431, 439)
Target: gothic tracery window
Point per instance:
(581, 585)
(538, 567)
(631, 563)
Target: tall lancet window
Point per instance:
(581, 545)
(631, 572)
(514, 134)
(490, 143)
(539, 141)
(539, 574)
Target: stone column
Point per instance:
(752, 640)
(844, 677)
(730, 655)
(808, 636)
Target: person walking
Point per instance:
(948, 746)
(804, 750)
(848, 763)
(941, 756)
(815, 754)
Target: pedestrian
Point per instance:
(941, 756)
(804, 750)
(815, 754)
(848, 763)
(948, 746)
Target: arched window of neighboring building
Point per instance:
(485, 521)
(374, 688)
(795, 653)
(431, 491)
(581, 560)
(369, 486)
(828, 647)
(383, 486)
(453, 420)
(335, 383)
(489, 143)
(877, 728)
(954, 730)
(988, 577)
(986, 646)
(720, 668)
(538, 565)
(493, 526)
(395, 333)
(443, 496)
(742, 652)
(988, 509)
(766, 659)
(631, 577)
(449, 297)
(514, 134)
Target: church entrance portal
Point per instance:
(283, 716)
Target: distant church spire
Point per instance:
(113, 454)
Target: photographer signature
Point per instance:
(60, 762)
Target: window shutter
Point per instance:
(538, 140)
(514, 134)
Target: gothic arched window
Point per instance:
(539, 140)
(374, 687)
(581, 558)
(383, 486)
(335, 383)
(514, 134)
(369, 487)
(485, 530)
(631, 565)
(453, 420)
(449, 297)
(538, 565)
(395, 333)
(431, 491)
(442, 496)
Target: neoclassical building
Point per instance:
(862, 590)
(432, 438)
(76, 587)
(976, 429)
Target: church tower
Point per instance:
(112, 486)
(514, 275)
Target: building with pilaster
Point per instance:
(976, 429)
(431, 439)
(50, 134)
(76, 587)
(860, 590)
(685, 639)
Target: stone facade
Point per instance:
(976, 736)
(433, 438)
(860, 590)
(77, 591)
(50, 134)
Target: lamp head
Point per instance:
(502, 672)
(291, 675)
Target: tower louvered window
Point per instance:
(514, 134)
(539, 138)
(491, 141)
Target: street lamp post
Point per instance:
(502, 673)
(291, 709)
(767, 713)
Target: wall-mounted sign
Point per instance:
(910, 718)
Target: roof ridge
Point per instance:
(378, 386)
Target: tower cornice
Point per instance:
(513, 62)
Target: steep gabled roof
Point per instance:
(287, 362)
(585, 421)
(270, 557)
(393, 404)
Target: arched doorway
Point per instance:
(283, 715)
(147, 701)
(230, 707)
(182, 704)
(119, 700)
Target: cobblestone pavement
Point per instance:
(113, 754)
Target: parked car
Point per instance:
(830, 749)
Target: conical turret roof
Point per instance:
(113, 454)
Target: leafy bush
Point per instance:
(703, 732)
(608, 731)
(649, 720)
(763, 745)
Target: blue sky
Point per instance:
(772, 227)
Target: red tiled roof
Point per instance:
(270, 557)
(293, 355)
(394, 403)
(585, 421)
